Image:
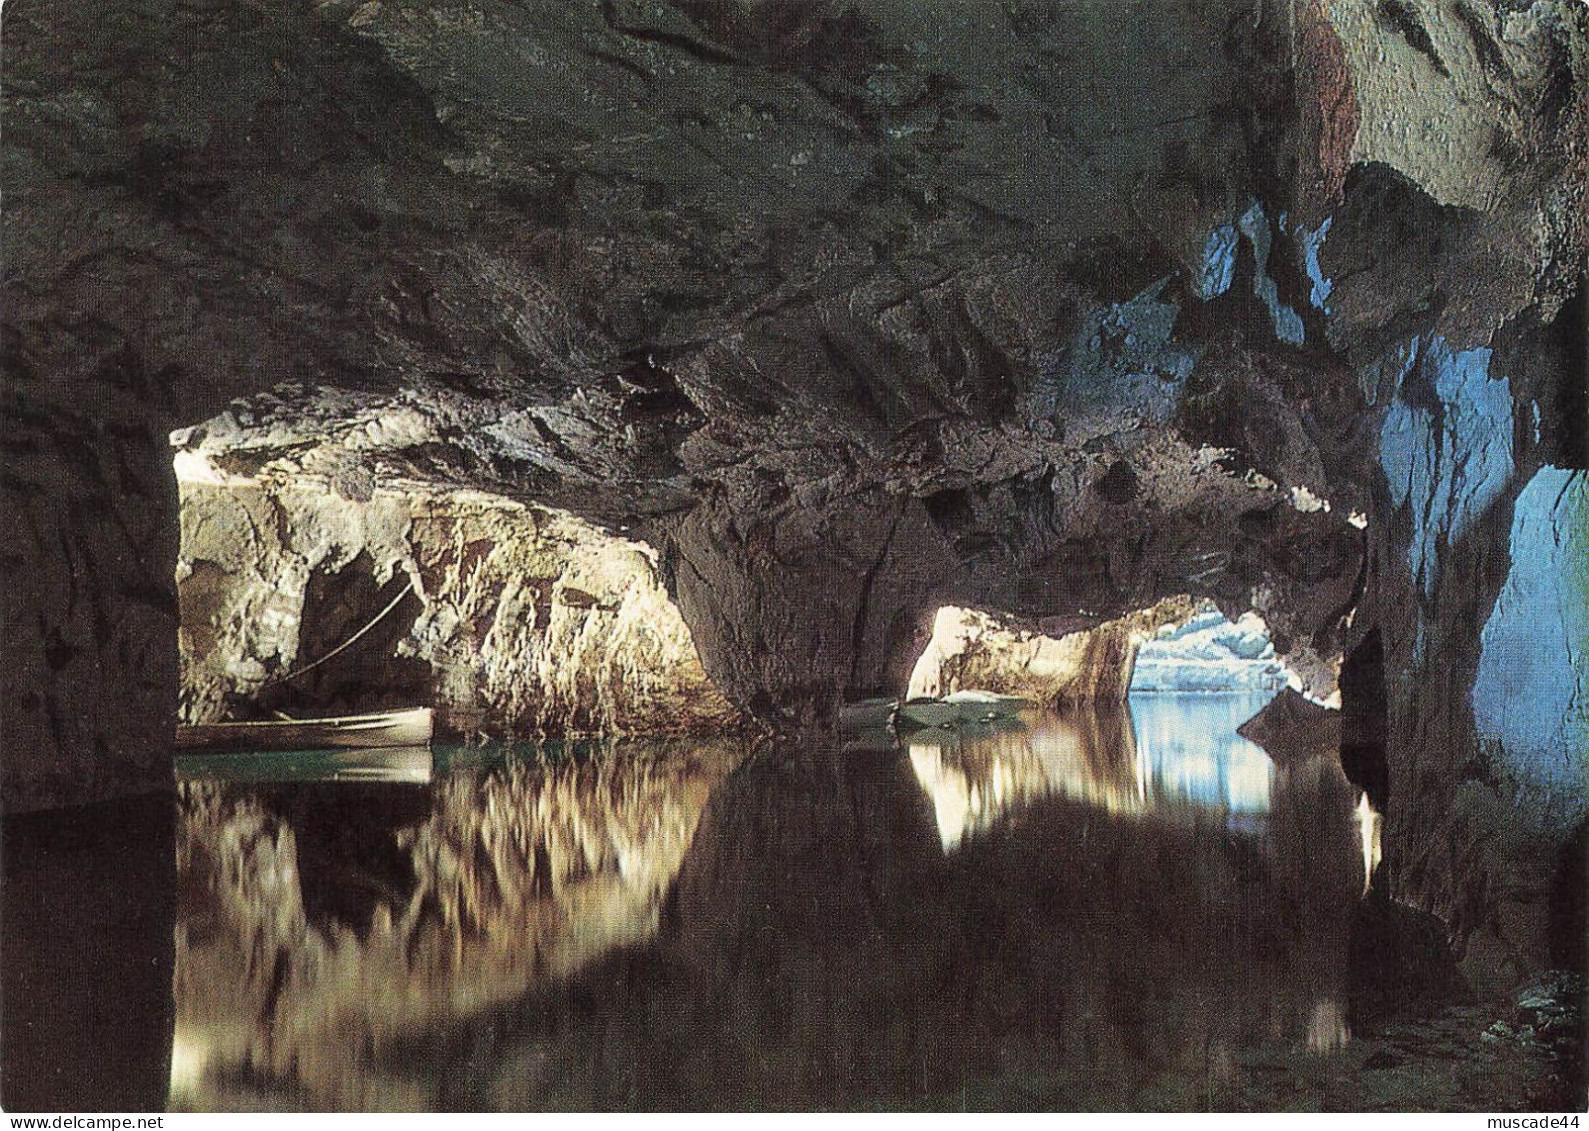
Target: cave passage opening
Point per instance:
(312, 583)
(285, 611)
(1208, 653)
(1149, 710)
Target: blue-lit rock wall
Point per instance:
(1477, 583)
(1446, 445)
(1531, 696)
(1208, 654)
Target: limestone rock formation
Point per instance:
(974, 650)
(517, 619)
(1209, 653)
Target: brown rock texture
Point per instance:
(1292, 728)
(972, 650)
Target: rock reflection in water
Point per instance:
(1165, 752)
(1085, 942)
(320, 923)
(1188, 750)
(822, 949)
(973, 775)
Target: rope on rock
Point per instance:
(345, 645)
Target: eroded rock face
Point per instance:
(971, 649)
(1451, 98)
(89, 683)
(517, 619)
(1518, 726)
(1209, 652)
(513, 265)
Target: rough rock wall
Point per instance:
(799, 596)
(1499, 858)
(900, 222)
(1467, 342)
(89, 685)
(1531, 694)
(522, 620)
(972, 649)
(151, 156)
(1530, 702)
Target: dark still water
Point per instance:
(1085, 910)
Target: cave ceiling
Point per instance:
(1054, 308)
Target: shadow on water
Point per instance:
(87, 903)
(1083, 910)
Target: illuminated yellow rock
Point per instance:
(973, 649)
(524, 619)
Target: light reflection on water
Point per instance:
(654, 928)
(1165, 752)
(1188, 748)
(320, 921)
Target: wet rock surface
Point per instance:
(973, 650)
(1456, 1058)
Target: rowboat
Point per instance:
(407, 765)
(985, 706)
(915, 714)
(412, 727)
(959, 708)
(867, 715)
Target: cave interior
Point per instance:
(645, 384)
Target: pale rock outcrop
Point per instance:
(970, 649)
(522, 619)
(1209, 653)
(1450, 95)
